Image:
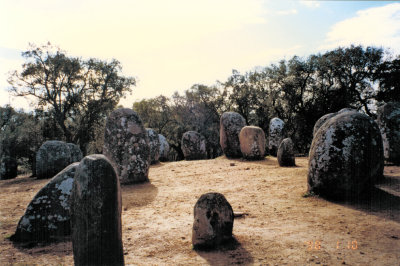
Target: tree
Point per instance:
(78, 94)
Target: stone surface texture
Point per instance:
(389, 124)
(47, 216)
(76, 153)
(8, 168)
(230, 125)
(193, 146)
(252, 143)
(213, 221)
(154, 143)
(276, 135)
(321, 121)
(164, 148)
(126, 145)
(96, 213)
(285, 153)
(346, 157)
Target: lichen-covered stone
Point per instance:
(96, 213)
(230, 125)
(164, 148)
(389, 124)
(213, 221)
(276, 135)
(346, 157)
(154, 143)
(286, 153)
(8, 168)
(126, 145)
(252, 142)
(47, 216)
(321, 121)
(52, 157)
(193, 146)
(76, 153)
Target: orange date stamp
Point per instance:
(318, 245)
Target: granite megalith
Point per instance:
(252, 142)
(276, 135)
(47, 216)
(230, 125)
(154, 143)
(8, 168)
(346, 157)
(193, 146)
(96, 213)
(164, 148)
(126, 145)
(213, 221)
(285, 153)
(389, 124)
(321, 121)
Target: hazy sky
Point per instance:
(169, 45)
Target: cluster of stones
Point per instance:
(285, 153)
(276, 133)
(213, 221)
(231, 124)
(193, 146)
(164, 148)
(154, 143)
(126, 145)
(252, 143)
(346, 156)
(389, 124)
(53, 156)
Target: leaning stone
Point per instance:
(126, 145)
(286, 153)
(8, 168)
(389, 124)
(230, 125)
(252, 142)
(346, 157)
(213, 221)
(154, 143)
(193, 146)
(276, 134)
(96, 213)
(164, 148)
(47, 216)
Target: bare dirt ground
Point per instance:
(281, 226)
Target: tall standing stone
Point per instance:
(193, 146)
(346, 157)
(389, 124)
(230, 125)
(276, 135)
(252, 142)
(164, 148)
(126, 145)
(286, 153)
(96, 213)
(154, 143)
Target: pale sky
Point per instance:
(171, 45)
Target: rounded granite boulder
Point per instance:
(276, 135)
(193, 146)
(389, 124)
(8, 168)
(230, 125)
(252, 142)
(154, 143)
(164, 148)
(285, 153)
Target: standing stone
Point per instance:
(8, 168)
(252, 142)
(276, 133)
(154, 143)
(164, 148)
(230, 125)
(346, 157)
(96, 213)
(321, 121)
(76, 153)
(47, 216)
(126, 145)
(286, 153)
(52, 157)
(213, 221)
(389, 124)
(193, 146)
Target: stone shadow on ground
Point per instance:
(138, 195)
(230, 253)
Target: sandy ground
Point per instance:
(281, 226)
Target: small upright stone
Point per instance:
(230, 125)
(193, 146)
(164, 148)
(389, 124)
(252, 142)
(96, 213)
(8, 168)
(276, 133)
(213, 221)
(154, 143)
(286, 153)
(126, 145)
